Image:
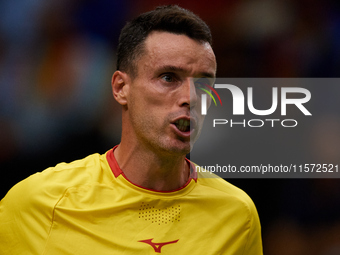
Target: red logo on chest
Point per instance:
(157, 246)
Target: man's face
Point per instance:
(163, 105)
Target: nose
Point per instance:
(188, 93)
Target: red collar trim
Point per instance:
(117, 171)
(113, 162)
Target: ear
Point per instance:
(120, 87)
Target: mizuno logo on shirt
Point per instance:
(157, 246)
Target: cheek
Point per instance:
(151, 94)
(150, 104)
(147, 109)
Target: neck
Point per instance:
(151, 170)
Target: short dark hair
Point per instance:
(170, 18)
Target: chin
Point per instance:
(183, 150)
(177, 149)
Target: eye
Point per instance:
(168, 77)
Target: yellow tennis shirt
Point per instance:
(89, 207)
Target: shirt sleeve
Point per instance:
(26, 215)
(254, 242)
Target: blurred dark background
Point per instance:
(56, 63)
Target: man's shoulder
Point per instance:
(33, 201)
(223, 189)
(232, 203)
(76, 171)
(54, 181)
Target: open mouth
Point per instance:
(183, 125)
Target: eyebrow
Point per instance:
(183, 70)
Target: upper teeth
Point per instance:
(182, 122)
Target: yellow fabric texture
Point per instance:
(82, 208)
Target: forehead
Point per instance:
(180, 51)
